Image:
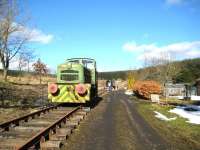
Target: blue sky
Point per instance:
(117, 33)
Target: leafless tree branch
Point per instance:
(11, 43)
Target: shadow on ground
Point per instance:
(90, 104)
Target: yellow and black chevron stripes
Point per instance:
(67, 94)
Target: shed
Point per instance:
(175, 90)
(197, 84)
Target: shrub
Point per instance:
(144, 89)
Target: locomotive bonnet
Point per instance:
(76, 82)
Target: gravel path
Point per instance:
(115, 124)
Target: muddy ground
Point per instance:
(115, 124)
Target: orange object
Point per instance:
(53, 88)
(80, 89)
(144, 89)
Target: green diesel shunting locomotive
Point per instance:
(76, 82)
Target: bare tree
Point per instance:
(162, 66)
(168, 67)
(21, 63)
(11, 41)
(149, 68)
(28, 57)
(40, 68)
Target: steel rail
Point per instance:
(16, 121)
(45, 132)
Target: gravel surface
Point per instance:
(114, 124)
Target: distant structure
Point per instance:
(175, 90)
(182, 90)
(197, 85)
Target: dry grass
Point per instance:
(174, 101)
(29, 79)
(26, 89)
(10, 113)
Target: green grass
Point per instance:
(179, 133)
(174, 101)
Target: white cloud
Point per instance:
(179, 50)
(39, 36)
(33, 35)
(129, 46)
(174, 2)
(14, 65)
(132, 46)
(194, 53)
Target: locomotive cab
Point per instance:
(76, 81)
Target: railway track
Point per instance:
(44, 129)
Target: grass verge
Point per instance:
(178, 133)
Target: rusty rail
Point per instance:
(16, 121)
(45, 133)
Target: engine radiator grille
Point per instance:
(69, 77)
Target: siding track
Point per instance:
(43, 129)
